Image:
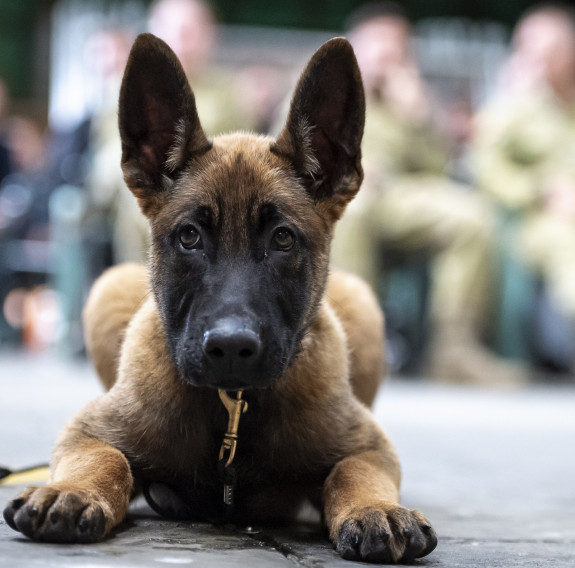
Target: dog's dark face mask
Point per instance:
(241, 226)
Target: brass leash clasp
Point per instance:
(235, 407)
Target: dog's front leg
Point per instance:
(88, 495)
(363, 516)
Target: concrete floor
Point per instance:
(494, 472)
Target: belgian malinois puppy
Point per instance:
(236, 307)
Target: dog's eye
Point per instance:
(190, 238)
(283, 239)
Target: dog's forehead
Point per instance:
(243, 168)
(235, 179)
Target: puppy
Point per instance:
(239, 372)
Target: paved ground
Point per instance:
(494, 472)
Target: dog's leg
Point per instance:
(89, 494)
(114, 299)
(363, 516)
(358, 311)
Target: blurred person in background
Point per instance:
(525, 162)
(119, 217)
(24, 193)
(260, 91)
(189, 27)
(408, 205)
(24, 224)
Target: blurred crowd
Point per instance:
(465, 224)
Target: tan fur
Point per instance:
(343, 349)
(308, 435)
(358, 310)
(114, 299)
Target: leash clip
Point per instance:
(235, 407)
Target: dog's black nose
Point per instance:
(232, 342)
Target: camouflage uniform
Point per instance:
(407, 203)
(523, 149)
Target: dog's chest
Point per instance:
(277, 442)
(273, 443)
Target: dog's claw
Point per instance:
(349, 541)
(9, 513)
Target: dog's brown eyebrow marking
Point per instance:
(204, 215)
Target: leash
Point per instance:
(35, 474)
(235, 407)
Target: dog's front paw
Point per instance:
(55, 514)
(385, 533)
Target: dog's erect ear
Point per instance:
(159, 123)
(322, 136)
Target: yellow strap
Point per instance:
(37, 475)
